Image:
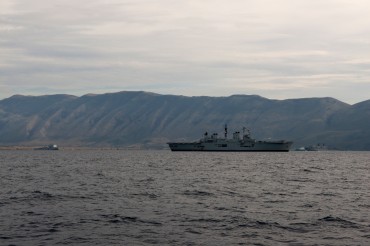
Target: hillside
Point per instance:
(148, 119)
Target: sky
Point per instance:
(277, 49)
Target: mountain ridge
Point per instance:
(139, 118)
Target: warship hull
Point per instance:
(235, 144)
(262, 146)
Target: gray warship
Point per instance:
(236, 144)
(49, 147)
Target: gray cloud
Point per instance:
(278, 49)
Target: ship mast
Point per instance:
(225, 131)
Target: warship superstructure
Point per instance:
(236, 143)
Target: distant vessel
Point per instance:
(244, 144)
(49, 147)
(317, 147)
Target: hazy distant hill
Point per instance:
(148, 119)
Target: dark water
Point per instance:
(165, 198)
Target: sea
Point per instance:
(141, 197)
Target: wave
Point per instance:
(204, 220)
(116, 218)
(339, 222)
(38, 195)
(197, 193)
(146, 194)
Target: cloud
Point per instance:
(287, 48)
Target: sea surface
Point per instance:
(120, 197)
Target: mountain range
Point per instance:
(148, 120)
